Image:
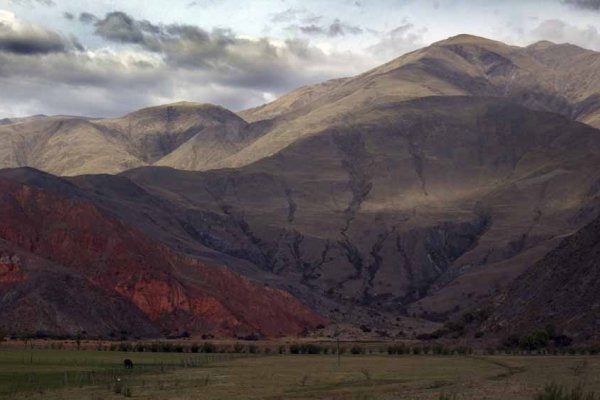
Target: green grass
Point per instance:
(39, 370)
(91, 375)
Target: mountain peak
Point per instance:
(184, 107)
(541, 45)
(465, 38)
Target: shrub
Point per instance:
(124, 346)
(208, 347)
(307, 348)
(398, 349)
(357, 350)
(238, 348)
(166, 347)
(562, 340)
(311, 349)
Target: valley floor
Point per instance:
(95, 375)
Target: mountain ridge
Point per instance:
(560, 78)
(395, 200)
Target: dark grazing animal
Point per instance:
(128, 363)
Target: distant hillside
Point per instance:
(385, 203)
(187, 134)
(559, 78)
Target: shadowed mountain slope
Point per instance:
(422, 207)
(53, 245)
(561, 290)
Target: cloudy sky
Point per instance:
(109, 57)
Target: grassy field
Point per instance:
(95, 375)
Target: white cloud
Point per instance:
(400, 40)
(558, 31)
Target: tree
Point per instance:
(78, 340)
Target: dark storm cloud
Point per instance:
(120, 27)
(312, 29)
(220, 50)
(336, 28)
(87, 18)
(69, 16)
(29, 40)
(295, 15)
(162, 63)
(584, 4)
(76, 44)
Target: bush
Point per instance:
(305, 349)
(208, 347)
(312, 349)
(357, 350)
(166, 347)
(124, 346)
(562, 341)
(238, 348)
(537, 340)
(397, 349)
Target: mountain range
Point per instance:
(459, 176)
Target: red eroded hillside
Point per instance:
(177, 293)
